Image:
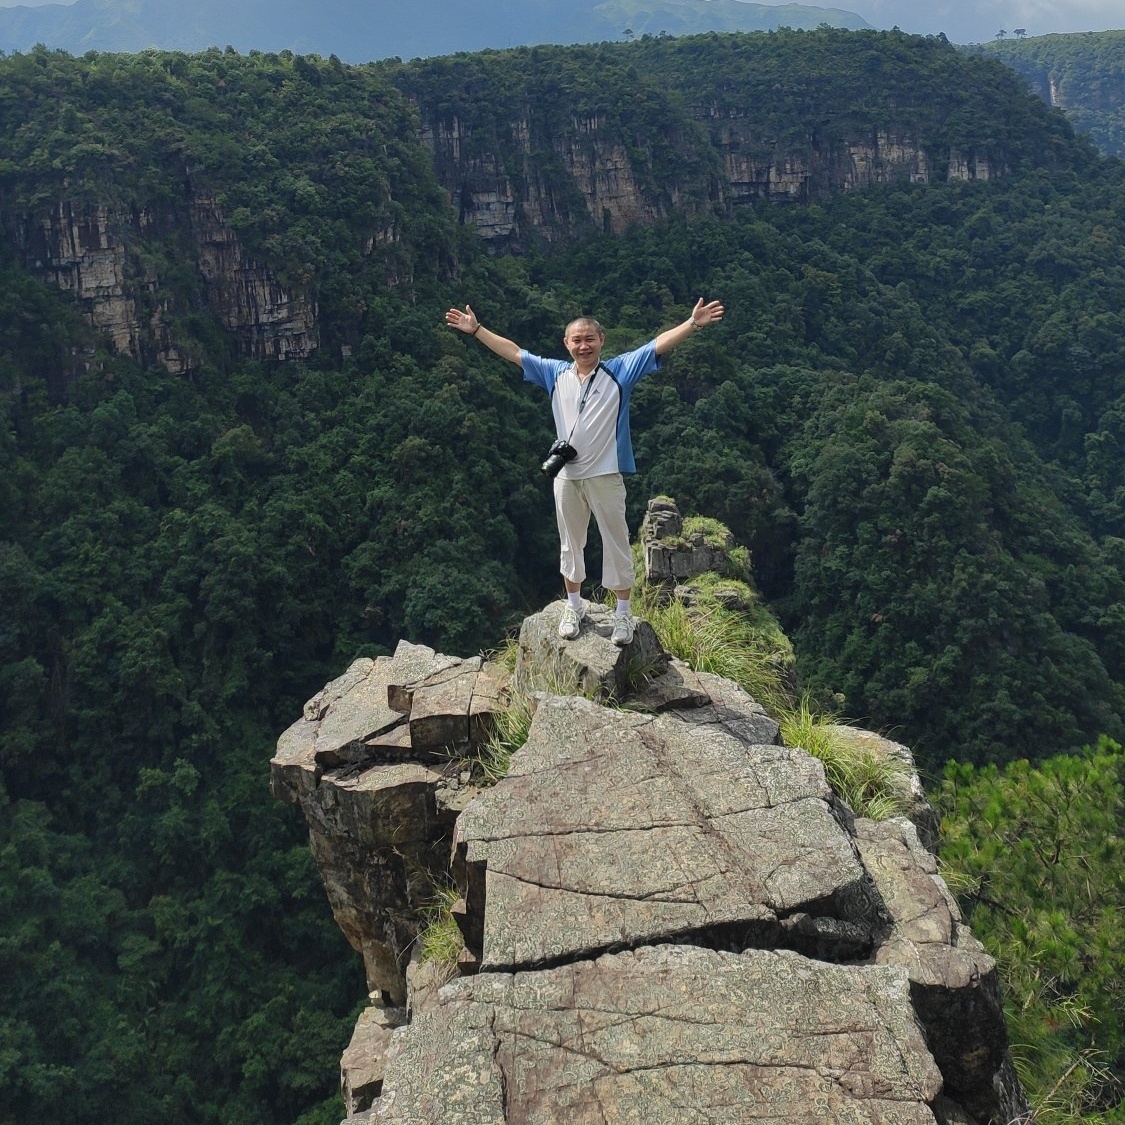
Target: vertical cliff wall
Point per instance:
(545, 144)
(96, 253)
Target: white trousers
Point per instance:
(604, 498)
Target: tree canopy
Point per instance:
(913, 412)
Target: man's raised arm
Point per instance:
(701, 316)
(467, 322)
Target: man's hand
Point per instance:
(710, 313)
(465, 321)
(702, 315)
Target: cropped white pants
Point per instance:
(602, 497)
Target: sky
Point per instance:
(964, 21)
(975, 21)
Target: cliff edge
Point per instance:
(667, 915)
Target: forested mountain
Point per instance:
(240, 448)
(1083, 74)
(362, 31)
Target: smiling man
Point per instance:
(590, 404)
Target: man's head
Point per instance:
(584, 339)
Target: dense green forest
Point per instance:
(914, 414)
(1034, 854)
(1082, 73)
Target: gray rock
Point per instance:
(414, 664)
(439, 707)
(294, 772)
(676, 687)
(373, 835)
(314, 710)
(361, 1065)
(735, 711)
(670, 557)
(615, 828)
(355, 717)
(662, 520)
(590, 665)
(666, 1036)
(953, 981)
(489, 697)
(380, 820)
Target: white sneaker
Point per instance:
(571, 622)
(623, 626)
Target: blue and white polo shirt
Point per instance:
(601, 432)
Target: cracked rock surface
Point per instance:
(615, 828)
(666, 1036)
(669, 918)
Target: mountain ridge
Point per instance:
(358, 32)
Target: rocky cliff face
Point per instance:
(519, 183)
(667, 914)
(91, 251)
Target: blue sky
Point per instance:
(964, 21)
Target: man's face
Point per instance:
(584, 343)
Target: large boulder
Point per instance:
(615, 828)
(590, 664)
(374, 764)
(668, 915)
(667, 1035)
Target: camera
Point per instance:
(557, 456)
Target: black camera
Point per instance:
(557, 456)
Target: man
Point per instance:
(590, 403)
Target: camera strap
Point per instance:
(585, 395)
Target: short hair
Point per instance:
(584, 321)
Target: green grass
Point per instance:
(440, 940)
(751, 650)
(509, 732)
(711, 638)
(871, 784)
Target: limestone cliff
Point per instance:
(668, 916)
(93, 251)
(522, 180)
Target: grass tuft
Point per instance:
(872, 784)
(710, 638)
(509, 732)
(440, 940)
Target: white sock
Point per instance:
(623, 607)
(574, 600)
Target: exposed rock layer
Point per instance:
(496, 174)
(669, 915)
(89, 251)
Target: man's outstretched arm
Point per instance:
(467, 322)
(701, 316)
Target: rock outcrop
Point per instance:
(668, 916)
(89, 251)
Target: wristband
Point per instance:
(475, 330)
